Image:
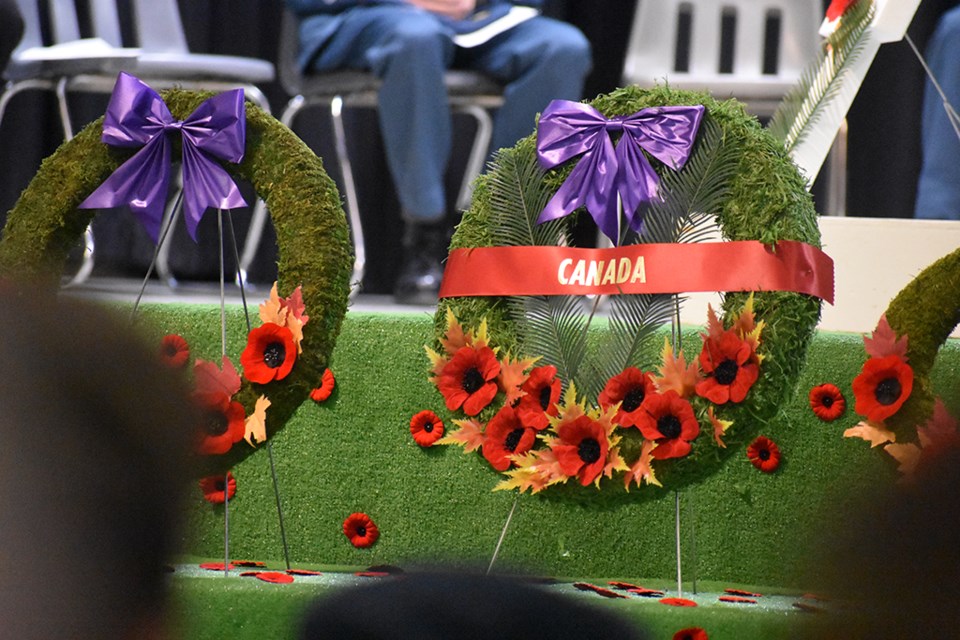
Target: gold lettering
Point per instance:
(610, 275)
(579, 273)
(566, 262)
(639, 272)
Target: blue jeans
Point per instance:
(410, 49)
(938, 189)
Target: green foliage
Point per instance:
(821, 81)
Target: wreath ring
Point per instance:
(312, 237)
(767, 200)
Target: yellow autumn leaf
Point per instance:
(255, 426)
(512, 376)
(534, 471)
(271, 310)
(875, 434)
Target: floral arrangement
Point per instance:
(541, 431)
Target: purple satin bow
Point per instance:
(138, 117)
(568, 129)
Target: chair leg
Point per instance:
(478, 152)
(349, 186)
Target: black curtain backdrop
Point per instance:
(884, 135)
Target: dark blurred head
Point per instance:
(93, 444)
(449, 606)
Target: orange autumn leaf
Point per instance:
(208, 378)
(875, 434)
(285, 312)
(469, 435)
(907, 457)
(884, 341)
(454, 338)
(295, 306)
(512, 376)
(642, 470)
(676, 374)
(437, 362)
(272, 310)
(714, 325)
(719, 427)
(255, 426)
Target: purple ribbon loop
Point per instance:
(138, 117)
(569, 129)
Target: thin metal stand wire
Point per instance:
(246, 315)
(223, 353)
(951, 112)
(692, 519)
(676, 339)
(156, 252)
(677, 535)
(503, 533)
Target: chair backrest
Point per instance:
(288, 69)
(157, 25)
(725, 42)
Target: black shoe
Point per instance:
(424, 249)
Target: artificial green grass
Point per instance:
(354, 453)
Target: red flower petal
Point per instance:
(678, 602)
(647, 593)
(303, 572)
(632, 388)
(626, 586)
(327, 382)
(606, 593)
(737, 599)
(468, 380)
(542, 393)
(426, 428)
(275, 577)
(740, 592)
(360, 530)
(505, 436)
(269, 355)
(174, 351)
(222, 423)
(215, 566)
(827, 402)
(691, 633)
(764, 454)
(882, 387)
(248, 563)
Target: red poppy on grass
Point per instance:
(269, 355)
(542, 389)
(222, 422)
(691, 633)
(275, 577)
(764, 454)
(505, 436)
(827, 402)
(360, 530)
(632, 388)
(469, 379)
(737, 599)
(582, 449)
(174, 351)
(669, 421)
(426, 428)
(303, 572)
(730, 366)
(882, 387)
(249, 563)
(327, 382)
(216, 490)
(678, 602)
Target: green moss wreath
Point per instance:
(312, 237)
(765, 199)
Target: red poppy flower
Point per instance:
(730, 366)
(764, 454)
(631, 388)
(174, 351)
(360, 530)
(506, 436)
(269, 355)
(469, 379)
(741, 592)
(426, 428)
(827, 402)
(221, 422)
(691, 633)
(216, 491)
(249, 563)
(542, 389)
(678, 602)
(647, 593)
(737, 599)
(275, 577)
(303, 572)
(327, 382)
(669, 421)
(582, 448)
(882, 387)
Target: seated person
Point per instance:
(409, 45)
(938, 189)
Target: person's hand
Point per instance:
(456, 9)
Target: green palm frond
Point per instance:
(555, 328)
(692, 197)
(820, 83)
(518, 194)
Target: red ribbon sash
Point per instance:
(746, 265)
